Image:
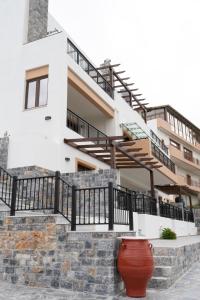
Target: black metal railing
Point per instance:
(145, 204)
(6, 187)
(64, 205)
(35, 193)
(164, 159)
(82, 206)
(86, 65)
(141, 203)
(82, 127)
(168, 210)
(159, 141)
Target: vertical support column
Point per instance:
(110, 206)
(14, 196)
(131, 212)
(182, 208)
(190, 200)
(73, 219)
(57, 192)
(113, 154)
(152, 184)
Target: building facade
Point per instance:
(182, 138)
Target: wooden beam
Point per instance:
(125, 78)
(131, 157)
(128, 143)
(123, 85)
(95, 139)
(126, 91)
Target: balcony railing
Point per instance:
(159, 142)
(81, 126)
(86, 65)
(164, 159)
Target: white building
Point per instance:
(51, 92)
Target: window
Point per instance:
(36, 92)
(82, 165)
(175, 144)
(188, 154)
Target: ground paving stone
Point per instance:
(186, 288)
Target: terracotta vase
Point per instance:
(135, 265)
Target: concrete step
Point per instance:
(159, 283)
(164, 260)
(162, 271)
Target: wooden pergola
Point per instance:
(177, 190)
(117, 152)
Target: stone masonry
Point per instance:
(38, 19)
(35, 251)
(4, 143)
(99, 178)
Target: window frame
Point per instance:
(37, 92)
(175, 144)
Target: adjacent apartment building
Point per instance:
(61, 112)
(182, 138)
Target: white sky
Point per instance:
(156, 41)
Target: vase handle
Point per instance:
(151, 247)
(123, 246)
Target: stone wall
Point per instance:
(30, 171)
(4, 143)
(99, 178)
(38, 19)
(35, 251)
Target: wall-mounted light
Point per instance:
(47, 118)
(67, 158)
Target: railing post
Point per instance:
(110, 206)
(131, 212)
(158, 206)
(73, 219)
(14, 196)
(57, 192)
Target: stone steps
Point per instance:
(159, 283)
(162, 271)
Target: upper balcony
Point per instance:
(150, 143)
(82, 127)
(108, 79)
(166, 127)
(186, 161)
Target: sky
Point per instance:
(157, 42)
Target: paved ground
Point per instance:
(187, 288)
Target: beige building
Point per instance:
(182, 138)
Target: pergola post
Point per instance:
(190, 199)
(113, 155)
(152, 184)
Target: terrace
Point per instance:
(109, 80)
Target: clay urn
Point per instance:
(135, 264)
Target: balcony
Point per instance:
(159, 141)
(150, 143)
(185, 160)
(109, 80)
(166, 128)
(84, 63)
(82, 127)
(163, 158)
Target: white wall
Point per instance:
(151, 226)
